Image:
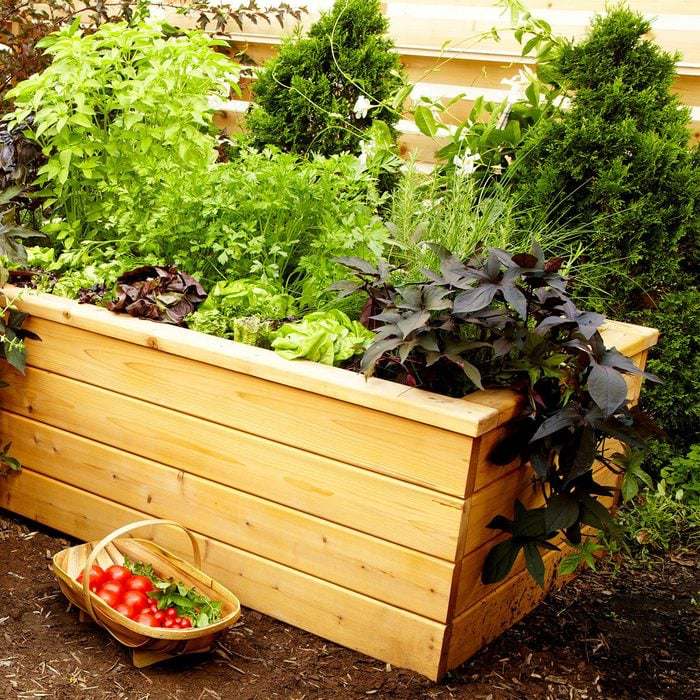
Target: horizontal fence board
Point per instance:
(374, 440)
(355, 621)
(356, 561)
(175, 439)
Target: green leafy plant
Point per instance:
(23, 24)
(657, 521)
(272, 216)
(674, 404)
(329, 337)
(502, 319)
(116, 113)
(682, 477)
(321, 92)
(618, 157)
(462, 212)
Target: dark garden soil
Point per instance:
(634, 636)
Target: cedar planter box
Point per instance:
(353, 509)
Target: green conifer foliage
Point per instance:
(617, 163)
(306, 94)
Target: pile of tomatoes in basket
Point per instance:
(128, 595)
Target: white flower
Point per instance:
(362, 106)
(367, 149)
(156, 14)
(466, 165)
(517, 83)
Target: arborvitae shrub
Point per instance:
(617, 164)
(675, 404)
(305, 95)
(618, 161)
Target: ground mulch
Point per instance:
(628, 634)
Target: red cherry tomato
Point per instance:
(159, 615)
(177, 620)
(117, 573)
(126, 610)
(109, 597)
(138, 583)
(168, 622)
(186, 622)
(153, 603)
(136, 599)
(115, 587)
(171, 612)
(147, 619)
(97, 576)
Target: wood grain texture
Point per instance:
(358, 622)
(354, 434)
(369, 565)
(159, 434)
(348, 387)
(499, 610)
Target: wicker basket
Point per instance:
(148, 644)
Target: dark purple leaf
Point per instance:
(474, 299)
(499, 561)
(607, 388)
(516, 299)
(412, 322)
(565, 418)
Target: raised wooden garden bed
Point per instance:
(353, 509)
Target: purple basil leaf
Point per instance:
(565, 418)
(607, 388)
(412, 322)
(474, 299)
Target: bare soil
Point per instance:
(631, 635)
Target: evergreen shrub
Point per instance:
(306, 96)
(617, 160)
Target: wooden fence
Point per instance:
(440, 44)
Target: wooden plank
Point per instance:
(471, 590)
(189, 444)
(374, 440)
(498, 611)
(375, 567)
(629, 339)
(387, 397)
(353, 620)
(652, 6)
(498, 498)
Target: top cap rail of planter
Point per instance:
(482, 412)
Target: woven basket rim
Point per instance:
(114, 620)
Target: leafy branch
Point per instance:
(507, 320)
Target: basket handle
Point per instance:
(196, 554)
